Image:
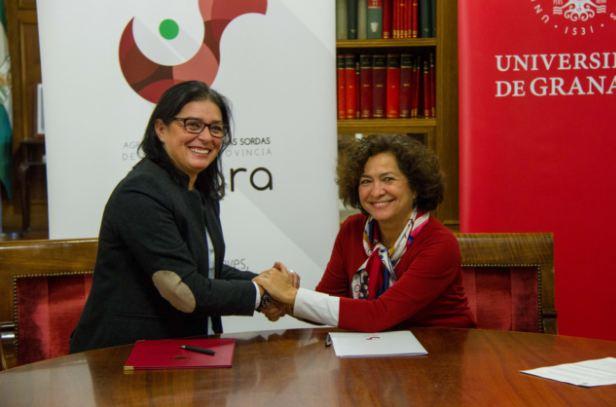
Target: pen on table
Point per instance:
(198, 349)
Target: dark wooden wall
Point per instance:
(26, 74)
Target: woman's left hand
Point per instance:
(295, 278)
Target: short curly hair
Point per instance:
(418, 163)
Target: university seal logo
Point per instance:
(575, 17)
(163, 47)
(579, 10)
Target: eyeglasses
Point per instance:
(196, 126)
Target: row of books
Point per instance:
(372, 19)
(385, 86)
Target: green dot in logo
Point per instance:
(169, 29)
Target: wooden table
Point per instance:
(294, 368)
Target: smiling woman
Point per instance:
(394, 265)
(159, 269)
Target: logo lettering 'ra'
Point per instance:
(177, 52)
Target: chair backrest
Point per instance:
(47, 282)
(3, 363)
(509, 280)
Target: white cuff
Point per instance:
(258, 296)
(317, 307)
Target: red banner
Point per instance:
(537, 107)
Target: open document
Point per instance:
(355, 345)
(589, 373)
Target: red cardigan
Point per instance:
(428, 290)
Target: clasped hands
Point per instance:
(281, 284)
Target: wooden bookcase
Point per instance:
(439, 133)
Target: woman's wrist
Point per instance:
(290, 295)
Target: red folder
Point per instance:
(168, 354)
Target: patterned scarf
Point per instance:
(378, 273)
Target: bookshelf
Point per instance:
(440, 133)
(386, 43)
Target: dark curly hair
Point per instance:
(418, 163)
(211, 181)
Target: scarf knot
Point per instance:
(377, 273)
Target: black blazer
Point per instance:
(153, 222)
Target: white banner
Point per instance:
(274, 60)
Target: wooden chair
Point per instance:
(43, 287)
(3, 362)
(509, 280)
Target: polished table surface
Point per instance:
(294, 368)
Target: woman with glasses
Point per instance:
(159, 270)
(393, 265)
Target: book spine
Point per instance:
(362, 19)
(379, 83)
(340, 77)
(414, 18)
(350, 94)
(426, 88)
(365, 66)
(415, 88)
(393, 14)
(432, 86)
(387, 5)
(352, 19)
(424, 18)
(341, 19)
(401, 18)
(407, 19)
(375, 19)
(393, 86)
(406, 73)
(432, 18)
(357, 89)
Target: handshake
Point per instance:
(278, 287)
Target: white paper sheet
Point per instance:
(396, 343)
(588, 373)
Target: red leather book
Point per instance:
(394, 19)
(365, 83)
(432, 86)
(393, 86)
(387, 6)
(426, 89)
(397, 19)
(340, 78)
(408, 19)
(414, 18)
(406, 72)
(405, 19)
(168, 354)
(379, 85)
(357, 90)
(415, 87)
(350, 91)
(402, 15)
